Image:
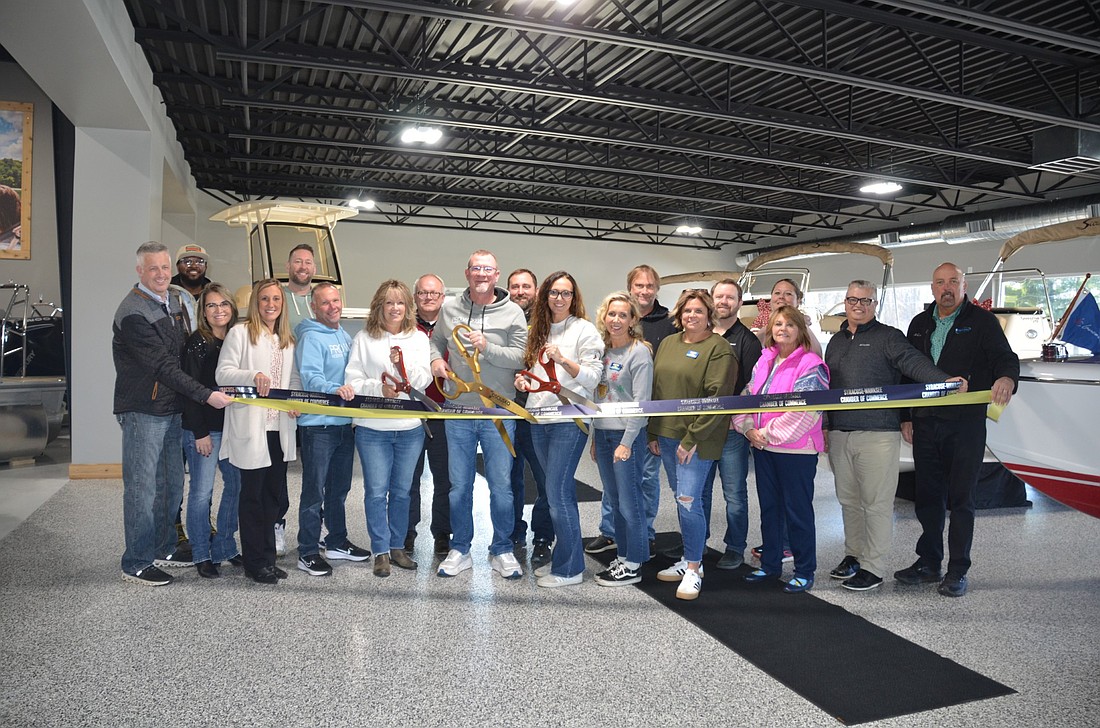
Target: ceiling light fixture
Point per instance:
(880, 187)
(423, 134)
(689, 230)
(358, 204)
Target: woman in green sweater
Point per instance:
(694, 363)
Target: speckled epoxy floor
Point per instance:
(81, 647)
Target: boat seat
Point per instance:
(831, 324)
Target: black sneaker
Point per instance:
(541, 554)
(862, 581)
(266, 575)
(442, 544)
(619, 574)
(149, 576)
(207, 569)
(179, 558)
(347, 552)
(237, 560)
(953, 586)
(846, 569)
(599, 544)
(918, 573)
(314, 565)
(279, 573)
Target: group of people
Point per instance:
(533, 345)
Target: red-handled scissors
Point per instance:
(402, 384)
(551, 384)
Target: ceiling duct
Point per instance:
(999, 225)
(1066, 151)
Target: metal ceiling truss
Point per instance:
(758, 119)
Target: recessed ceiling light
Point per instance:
(689, 230)
(423, 134)
(880, 188)
(367, 204)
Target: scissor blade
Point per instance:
(424, 399)
(579, 400)
(501, 401)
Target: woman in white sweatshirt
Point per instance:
(260, 441)
(388, 448)
(561, 334)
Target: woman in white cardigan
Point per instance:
(257, 440)
(388, 448)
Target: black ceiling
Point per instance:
(621, 119)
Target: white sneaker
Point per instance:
(690, 585)
(280, 539)
(455, 563)
(551, 581)
(676, 571)
(544, 570)
(506, 565)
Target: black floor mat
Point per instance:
(852, 669)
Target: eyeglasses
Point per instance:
(852, 300)
(429, 294)
(564, 295)
(486, 269)
(224, 304)
(193, 262)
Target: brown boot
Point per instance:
(382, 565)
(400, 558)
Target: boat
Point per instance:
(1046, 436)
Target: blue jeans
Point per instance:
(785, 485)
(327, 455)
(559, 448)
(152, 486)
(622, 487)
(223, 546)
(687, 482)
(541, 525)
(462, 439)
(733, 467)
(388, 458)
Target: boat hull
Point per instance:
(1048, 434)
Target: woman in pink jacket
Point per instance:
(785, 448)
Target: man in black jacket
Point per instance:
(149, 336)
(949, 442)
(864, 444)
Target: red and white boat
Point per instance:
(1048, 434)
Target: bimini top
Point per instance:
(1050, 234)
(247, 214)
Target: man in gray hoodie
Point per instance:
(499, 335)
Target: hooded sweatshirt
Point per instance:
(505, 329)
(321, 356)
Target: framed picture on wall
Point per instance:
(16, 131)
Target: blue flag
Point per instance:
(1083, 325)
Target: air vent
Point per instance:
(984, 225)
(1066, 151)
(889, 238)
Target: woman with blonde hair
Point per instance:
(561, 344)
(618, 445)
(202, 437)
(389, 344)
(257, 440)
(785, 448)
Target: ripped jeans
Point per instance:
(687, 482)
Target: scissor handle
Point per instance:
(399, 385)
(461, 387)
(463, 350)
(543, 385)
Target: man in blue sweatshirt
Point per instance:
(328, 444)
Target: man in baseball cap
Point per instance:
(191, 263)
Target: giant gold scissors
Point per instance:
(489, 397)
(551, 384)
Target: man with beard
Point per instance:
(429, 293)
(191, 262)
(522, 287)
(963, 340)
(498, 332)
(300, 269)
(733, 465)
